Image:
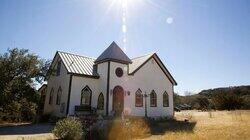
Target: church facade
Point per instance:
(113, 84)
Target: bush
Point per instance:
(18, 111)
(68, 128)
(227, 101)
(12, 112)
(28, 110)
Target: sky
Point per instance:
(203, 43)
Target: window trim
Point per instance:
(98, 99)
(165, 93)
(86, 87)
(117, 70)
(51, 96)
(136, 93)
(58, 99)
(153, 92)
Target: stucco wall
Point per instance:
(96, 85)
(147, 78)
(55, 82)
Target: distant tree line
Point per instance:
(19, 71)
(228, 98)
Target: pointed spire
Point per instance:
(113, 53)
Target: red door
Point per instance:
(118, 100)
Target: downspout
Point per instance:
(108, 79)
(69, 92)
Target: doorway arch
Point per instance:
(118, 100)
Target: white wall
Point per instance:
(55, 82)
(96, 85)
(147, 78)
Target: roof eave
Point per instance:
(84, 75)
(171, 77)
(113, 60)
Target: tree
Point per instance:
(227, 100)
(19, 70)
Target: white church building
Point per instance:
(113, 84)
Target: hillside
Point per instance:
(237, 97)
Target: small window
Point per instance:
(86, 96)
(153, 99)
(119, 72)
(58, 69)
(138, 98)
(100, 103)
(58, 97)
(165, 99)
(51, 96)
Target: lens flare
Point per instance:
(128, 8)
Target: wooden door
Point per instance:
(118, 100)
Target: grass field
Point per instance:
(233, 125)
(218, 125)
(211, 125)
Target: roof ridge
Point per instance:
(144, 55)
(77, 55)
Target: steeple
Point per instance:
(113, 53)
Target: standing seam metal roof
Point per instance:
(77, 64)
(84, 65)
(138, 61)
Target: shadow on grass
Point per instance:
(26, 129)
(161, 127)
(142, 128)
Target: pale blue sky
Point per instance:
(206, 46)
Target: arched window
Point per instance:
(100, 102)
(51, 96)
(153, 99)
(165, 99)
(58, 96)
(138, 98)
(86, 96)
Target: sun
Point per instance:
(124, 3)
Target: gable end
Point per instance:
(161, 65)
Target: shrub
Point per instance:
(28, 110)
(68, 128)
(229, 101)
(17, 111)
(12, 112)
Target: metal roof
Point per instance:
(83, 65)
(77, 64)
(115, 53)
(138, 61)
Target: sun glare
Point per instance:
(124, 3)
(129, 8)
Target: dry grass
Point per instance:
(233, 125)
(198, 125)
(219, 125)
